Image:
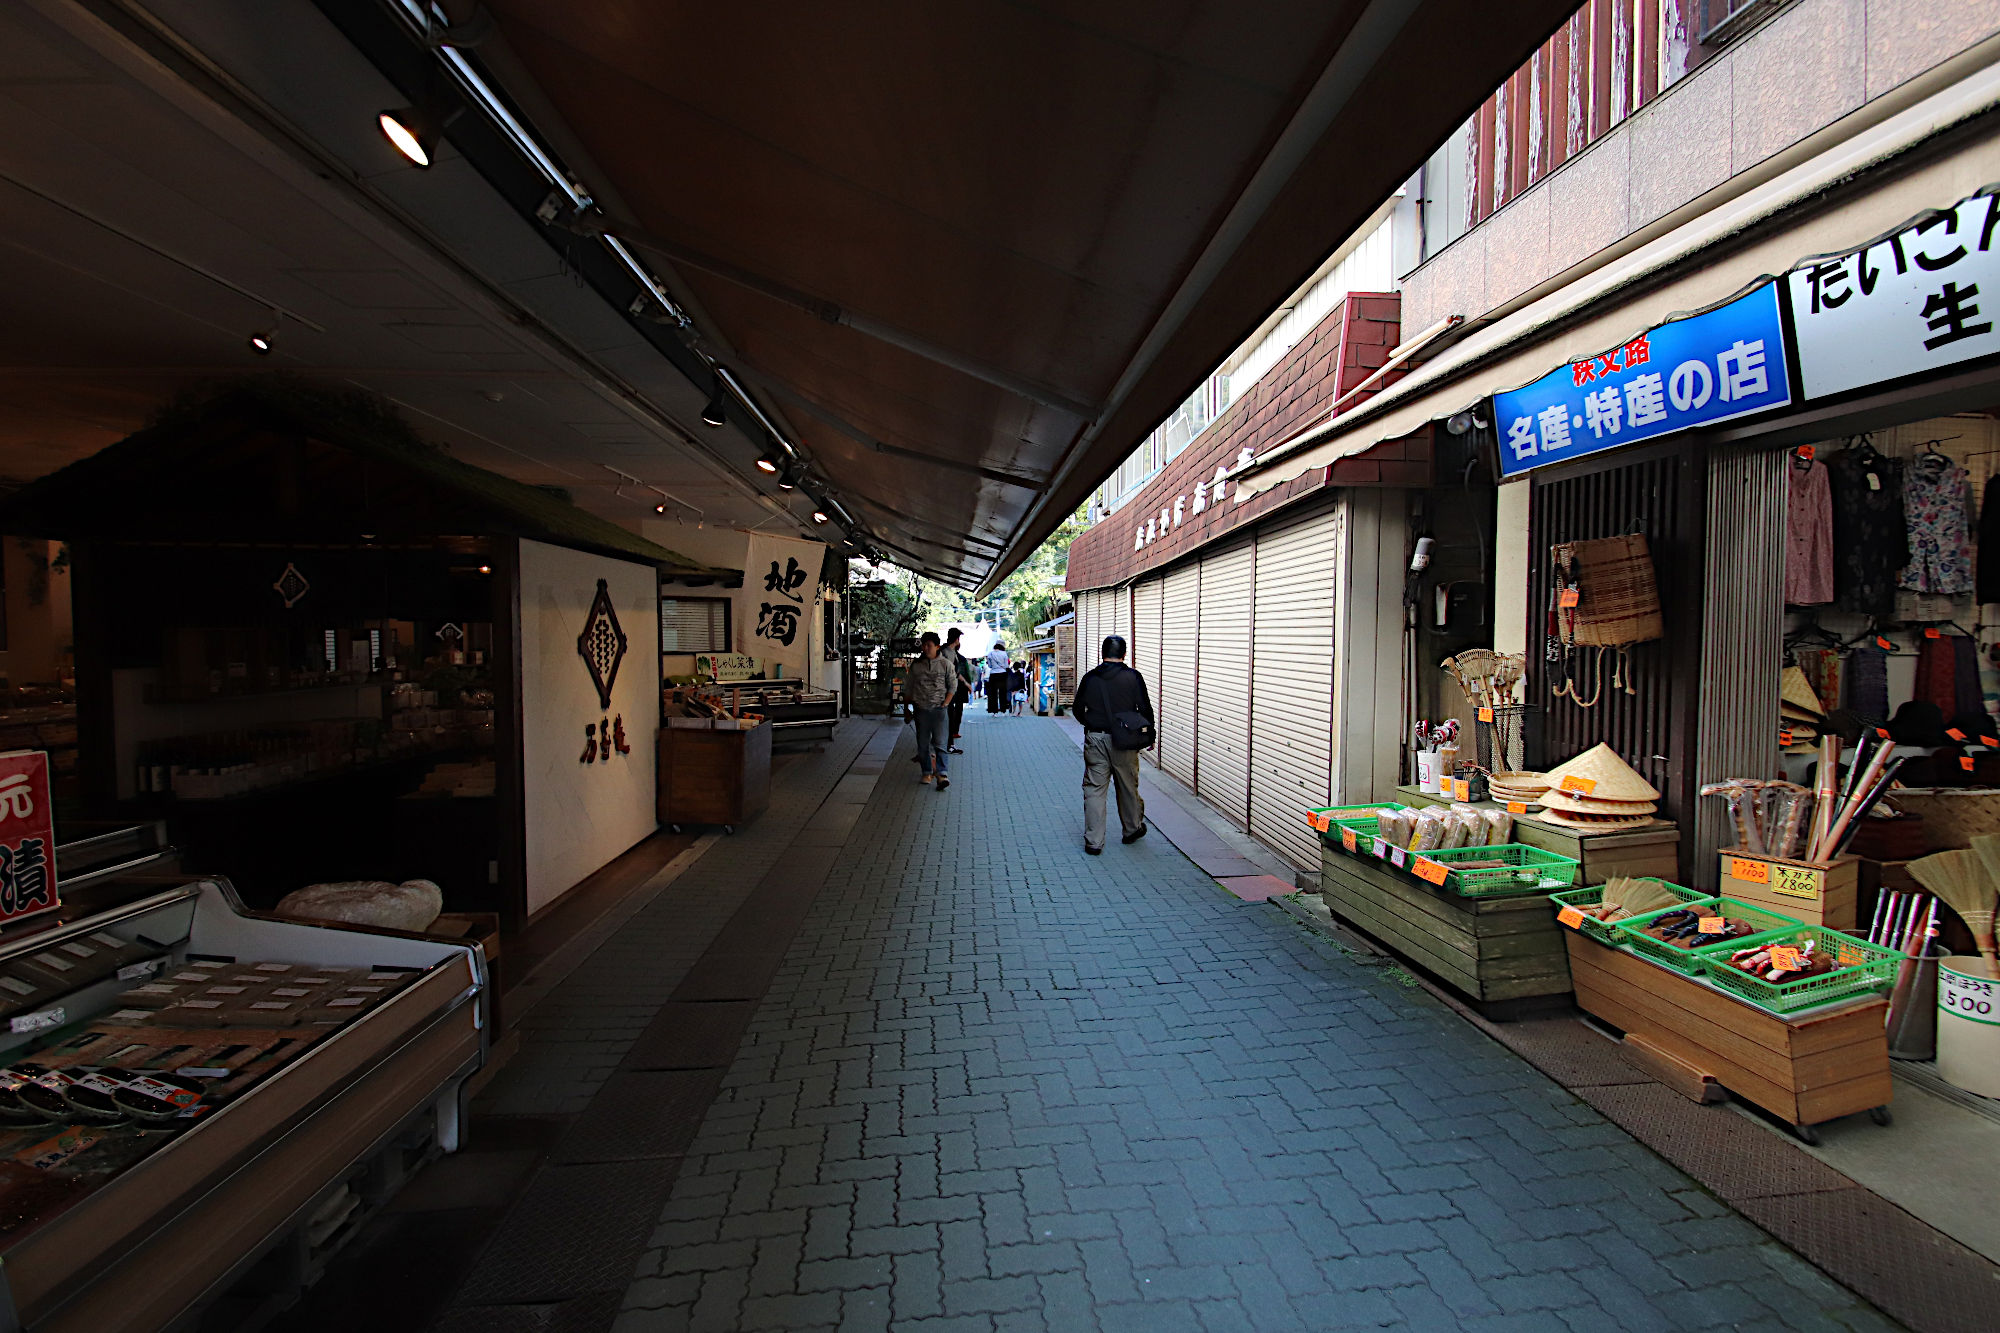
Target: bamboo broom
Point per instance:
(1977, 909)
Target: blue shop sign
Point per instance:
(1697, 371)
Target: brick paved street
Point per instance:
(997, 1085)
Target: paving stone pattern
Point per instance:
(574, 1039)
(997, 1085)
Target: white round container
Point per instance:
(1968, 1028)
(1428, 769)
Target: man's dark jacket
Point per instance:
(1111, 688)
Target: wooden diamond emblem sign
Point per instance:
(602, 644)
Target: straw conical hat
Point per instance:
(1796, 690)
(1593, 823)
(1521, 781)
(1612, 778)
(1570, 803)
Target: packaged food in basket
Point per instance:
(1499, 828)
(1463, 828)
(1784, 962)
(1395, 827)
(1429, 836)
(1691, 929)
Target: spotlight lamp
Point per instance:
(819, 513)
(789, 480)
(769, 461)
(415, 130)
(260, 341)
(659, 509)
(716, 412)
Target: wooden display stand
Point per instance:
(1487, 948)
(1818, 1066)
(1819, 893)
(708, 776)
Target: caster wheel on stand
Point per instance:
(1807, 1135)
(1880, 1115)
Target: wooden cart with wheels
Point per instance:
(715, 777)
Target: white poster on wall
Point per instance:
(1921, 299)
(779, 598)
(590, 709)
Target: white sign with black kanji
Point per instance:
(1926, 297)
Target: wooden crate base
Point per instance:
(1821, 1066)
(1485, 948)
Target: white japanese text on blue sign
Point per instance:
(1697, 371)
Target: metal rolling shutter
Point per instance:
(1119, 620)
(1223, 689)
(1291, 699)
(1146, 642)
(1086, 642)
(1173, 702)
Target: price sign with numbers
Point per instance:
(1486, 715)
(1797, 881)
(1571, 917)
(1381, 848)
(1712, 925)
(1750, 872)
(1349, 839)
(1517, 808)
(1581, 786)
(1433, 871)
(1398, 857)
(1785, 956)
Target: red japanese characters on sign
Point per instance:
(27, 836)
(1635, 353)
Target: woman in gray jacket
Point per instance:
(929, 685)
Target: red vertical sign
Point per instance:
(27, 836)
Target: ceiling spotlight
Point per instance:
(819, 515)
(715, 414)
(790, 480)
(486, 569)
(769, 462)
(659, 509)
(260, 341)
(416, 130)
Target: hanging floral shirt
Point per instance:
(1937, 506)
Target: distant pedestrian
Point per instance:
(929, 685)
(1117, 718)
(963, 670)
(1019, 684)
(998, 684)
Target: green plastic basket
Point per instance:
(1689, 962)
(1526, 870)
(1328, 818)
(1869, 968)
(1592, 896)
(1362, 819)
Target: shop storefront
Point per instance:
(1742, 583)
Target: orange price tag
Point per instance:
(1954, 733)
(1882, 733)
(1461, 789)
(1784, 736)
(1517, 808)
(1785, 956)
(1750, 872)
(1485, 715)
(1433, 871)
(1350, 839)
(1965, 762)
(1581, 786)
(1805, 451)
(1571, 917)
(1712, 925)
(1931, 633)
(1884, 644)
(1568, 597)
(1993, 741)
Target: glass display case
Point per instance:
(186, 1080)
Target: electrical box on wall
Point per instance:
(1458, 607)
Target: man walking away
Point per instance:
(962, 669)
(998, 686)
(929, 685)
(1117, 718)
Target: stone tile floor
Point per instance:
(998, 1085)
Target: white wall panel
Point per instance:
(1174, 699)
(1291, 715)
(1223, 690)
